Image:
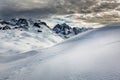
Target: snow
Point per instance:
(92, 55)
(16, 41)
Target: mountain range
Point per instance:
(20, 35)
(38, 26)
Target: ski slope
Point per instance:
(92, 55)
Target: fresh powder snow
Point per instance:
(91, 55)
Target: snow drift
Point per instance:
(92, 55)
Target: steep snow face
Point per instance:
(15, 41)
(20, 35)
(92, 55)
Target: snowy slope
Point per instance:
(19, 35)
(24, 36)
(15, 41)
(92, 55)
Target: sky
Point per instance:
(30, 8)
(41, 8)
(25, 8)
(37, 8)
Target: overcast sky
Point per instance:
(27, 8)
(33, 8)
(39, 8)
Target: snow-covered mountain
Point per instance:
(20, 35)
(53, 49)
(92, 55)
(65, 31)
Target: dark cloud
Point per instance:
(31, 13)
(27, 9)
(42, 8)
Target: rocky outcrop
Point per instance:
(66, 31)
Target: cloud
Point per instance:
(29, 13)
(41, 8)
(25, 8)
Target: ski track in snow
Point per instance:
(79, 58)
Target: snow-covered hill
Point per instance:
(21, 35)
(92, 55)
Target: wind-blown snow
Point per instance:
(16, 41)
(92, 55)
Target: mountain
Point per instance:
(20, 35)
(93, 55)
(65, 31)
(23, 24)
